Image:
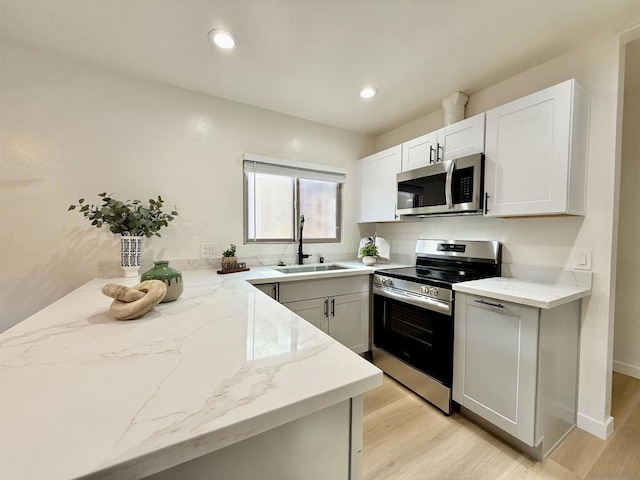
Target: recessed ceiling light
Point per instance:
(222, 38)
(368, 92)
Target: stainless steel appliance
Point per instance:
(446, 188)
(413, 313)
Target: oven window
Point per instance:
(422, 192)
(419, 337)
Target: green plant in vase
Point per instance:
(229, 259)
(132, 219)
(368, 253)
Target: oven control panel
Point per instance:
(413, 287)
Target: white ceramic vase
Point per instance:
(368, 261)
(130, 250)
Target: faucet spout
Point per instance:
(301, 256)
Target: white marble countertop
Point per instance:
(524, 292)
(85, 395)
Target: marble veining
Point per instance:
(85, 395)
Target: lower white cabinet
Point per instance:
(515, 367)
(270, 289)
(337, 306)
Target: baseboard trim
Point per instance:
(602, 430)
(626, 369)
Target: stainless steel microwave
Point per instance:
(451, 187)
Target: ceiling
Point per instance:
(308, 58)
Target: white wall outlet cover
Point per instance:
(583, 260)
(207, 250)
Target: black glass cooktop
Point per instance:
(433, 276)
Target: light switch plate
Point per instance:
(583, 260)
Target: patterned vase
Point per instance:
(130, 248)
(170, 276)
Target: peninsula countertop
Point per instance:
(84, 395)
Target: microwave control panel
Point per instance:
(463, 185)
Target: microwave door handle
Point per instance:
(448, 194)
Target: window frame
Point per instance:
(296, 201)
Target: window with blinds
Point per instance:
(278, 192)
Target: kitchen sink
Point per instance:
(310, 268)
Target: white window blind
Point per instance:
(278, 192)
(252, 166)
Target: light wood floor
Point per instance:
(405, 438)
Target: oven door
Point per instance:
(416, 330)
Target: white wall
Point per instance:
(552, 242)
(626, 351)
(71, 131)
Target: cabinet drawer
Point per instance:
(327, 287)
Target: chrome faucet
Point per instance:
(301, 256)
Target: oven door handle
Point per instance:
(422, 302)
(448, 194)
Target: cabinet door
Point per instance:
(313, 311)
(270, 289)
(378, 188)
(527, 154)
(349, 321)
(495, 362)
(420, 151)
(462, 138)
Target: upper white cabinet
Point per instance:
(536, 153)
(378, 189)
(463, 138)
(457, 140)
(420, 151)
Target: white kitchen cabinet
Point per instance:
(462, 138)
(453, 141)
(536, 153)
(337, 306)
(378, 188)
(420, 151)
(270, 289)
(515, 367)
(349, 320)
(313, 311)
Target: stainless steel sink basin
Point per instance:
(310, 268)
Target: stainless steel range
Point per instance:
(413, 313)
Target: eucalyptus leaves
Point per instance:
(128, 218)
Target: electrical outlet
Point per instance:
(583, 260)
(207, 250)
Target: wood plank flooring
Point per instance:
(405, 438)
